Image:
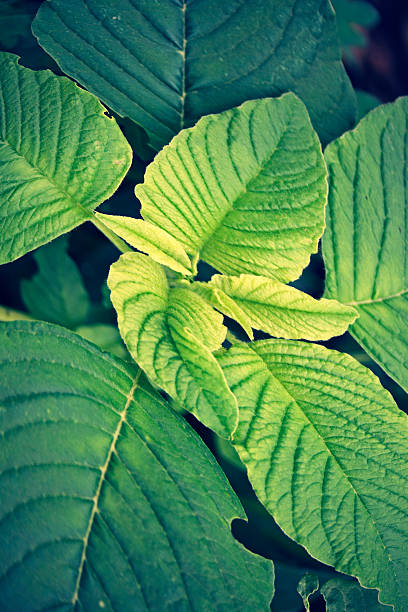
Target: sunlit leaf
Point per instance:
(326, 450)
(171, 333)
(60, 157)
(244, 190)
(284, 311)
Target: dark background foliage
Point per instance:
(379, 67)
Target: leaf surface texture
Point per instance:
(244, 190)
(150, 239)
(109, 499)
(283, 311)
(171, 333)
(166, 64)
(60, 157)
(326, 451)
(365, 244)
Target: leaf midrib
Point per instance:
(103, 469)
(183, 53)
(207, 239)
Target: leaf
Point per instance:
(351, 16)
(344, 596)
(326, 450)
(284, 311)
(109, 499)
(60, 157)
(244, 190)
(150, 239)
(167, 64)
(56, 293)
(171, 333)
(222, 302)
(105, 336)
(15, 20)
(8, 314)
(308, 585)
(365, 244)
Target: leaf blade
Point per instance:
(284, 311)
(150, 239)
(180, 77)
(238, 191)
(312, 435)
(365, 244)
(54, 175)
(222, 302)
(171, 333)
(78, 398)
(59, 279)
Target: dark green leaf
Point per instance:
(165, 64)
(56, 293)
(109, 499)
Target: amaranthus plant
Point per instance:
(110, 500)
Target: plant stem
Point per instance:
(118, 242)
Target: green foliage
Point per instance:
(340, 595)
(53, 173)
(59, 281)
(109, 498)
(308, 585)
(351, 15)
(283, 311)
(365, 103)
(165, 65)
(244, 190)
(105, 336)
(93, 462)
(150, 239)
(171, 333)
(326, 451)
(365, 244)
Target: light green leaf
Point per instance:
(365, 246)
(244, 190)
(171, 333)
(150, 239)
(344, 596)
(326, 450)
(60, 157)
(105, 336)
(56, 292)
(308, 585)
(166, 64)
(9, 314)
(222, 302)
(109, 499)
(284, 311)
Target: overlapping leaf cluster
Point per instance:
(245, 191)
